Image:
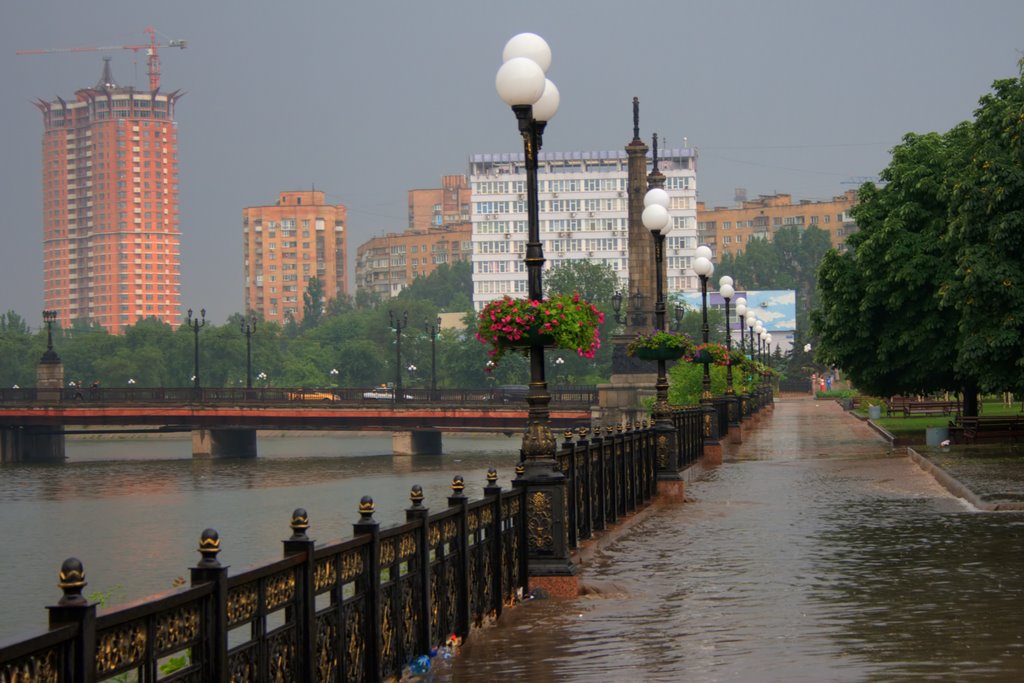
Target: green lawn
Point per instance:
(898, 425)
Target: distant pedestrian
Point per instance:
(828, 382)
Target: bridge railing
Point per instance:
(561, 396)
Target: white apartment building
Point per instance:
(583, 215)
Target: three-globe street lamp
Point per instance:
(725, 289)
(433, 331)
(704, 268)
(397, 324)
(534, 99)
(334, 376)
(196, 324)
(248, 327)
(655, 218)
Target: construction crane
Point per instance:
(152, 59)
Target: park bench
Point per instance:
(895, 404)
(965, 429)
(931, 408)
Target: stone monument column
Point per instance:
(633, 380)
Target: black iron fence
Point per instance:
(567, 396)
(353, 610)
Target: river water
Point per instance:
(813, 553)
(133, 510)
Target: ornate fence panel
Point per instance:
(445, 576)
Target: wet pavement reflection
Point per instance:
(814, 553)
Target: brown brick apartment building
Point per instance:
(288, 243)
(439, 232)
(728, 230)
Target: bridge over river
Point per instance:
(224, 422)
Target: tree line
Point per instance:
(351, 341)
(928, 298)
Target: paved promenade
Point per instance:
(815, 552)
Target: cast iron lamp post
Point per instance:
(703, 267)
(725, 289)
(195, 324)
(49, 317)
(248, 327)
(741, 312)
(534, 99)
(397, 324)
(334, 376)
(433, 331)
(656, 218)
(751, 325)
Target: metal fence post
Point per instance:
(305, 591)
(215, 627)
(459, 499)
(493, 493)
(418, 512)
(73, 608)
(368, 525)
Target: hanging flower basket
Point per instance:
(563, 321)
(529, 335)
(659, 345)
(664, 353)
(711, 353)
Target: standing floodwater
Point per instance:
(812, 554)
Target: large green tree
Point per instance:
(881, 316)
(987, 220)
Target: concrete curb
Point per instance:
(957, 488)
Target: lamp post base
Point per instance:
(671, 488)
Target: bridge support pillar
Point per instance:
(31, 444)
(223, 443)
(419, 442)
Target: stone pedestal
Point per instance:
(31, 444)
(419, 442)
(224, 443)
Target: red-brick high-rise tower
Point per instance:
(111, 239)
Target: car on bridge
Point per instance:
(312, 396)
(383, 393)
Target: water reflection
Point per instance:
(132, 511)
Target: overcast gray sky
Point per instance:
(367, 100)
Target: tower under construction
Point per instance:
(111, 238)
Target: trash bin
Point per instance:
(934, 436)
(874, 412)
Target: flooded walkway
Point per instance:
(814, 553)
